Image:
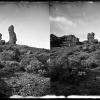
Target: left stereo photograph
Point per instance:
(24, 49)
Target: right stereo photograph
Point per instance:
(75, 48)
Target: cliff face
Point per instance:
(66, 40)
(71, 40)
(54, 41)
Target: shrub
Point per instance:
(29, 85)
(9, 55)
(34, 66)
(9, 68)
(43, 72)
(25, 60)
(90, 87)
(5, 89)
(73, 61)
(43, 57)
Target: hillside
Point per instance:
(75, 69)
(24, 70)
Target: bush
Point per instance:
(9, 68)
(26, 59)
(43, 57)
(56, 72)
(5, 89)
(40, 88)
(43, 72)
(9, 55)
(90, 87)
(4, 56)
(34, 66)
(29, 85)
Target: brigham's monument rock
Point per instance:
(12, 35)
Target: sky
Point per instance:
(31, 22)
(77, 18)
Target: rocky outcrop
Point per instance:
(54, 41)
(66, 40)
(69, 40)
(2, 42)
(91, 38)
(12, 35)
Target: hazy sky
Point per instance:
(31, 21)
(78, 18)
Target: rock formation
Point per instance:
(91, 38)
(66, 40)
(2, 42)
(54, 41)
(0, 36)
(12, 35)
(70, 40)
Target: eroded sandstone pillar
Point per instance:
(12, 35)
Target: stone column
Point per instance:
(12, 35)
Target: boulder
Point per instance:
(2, 42)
